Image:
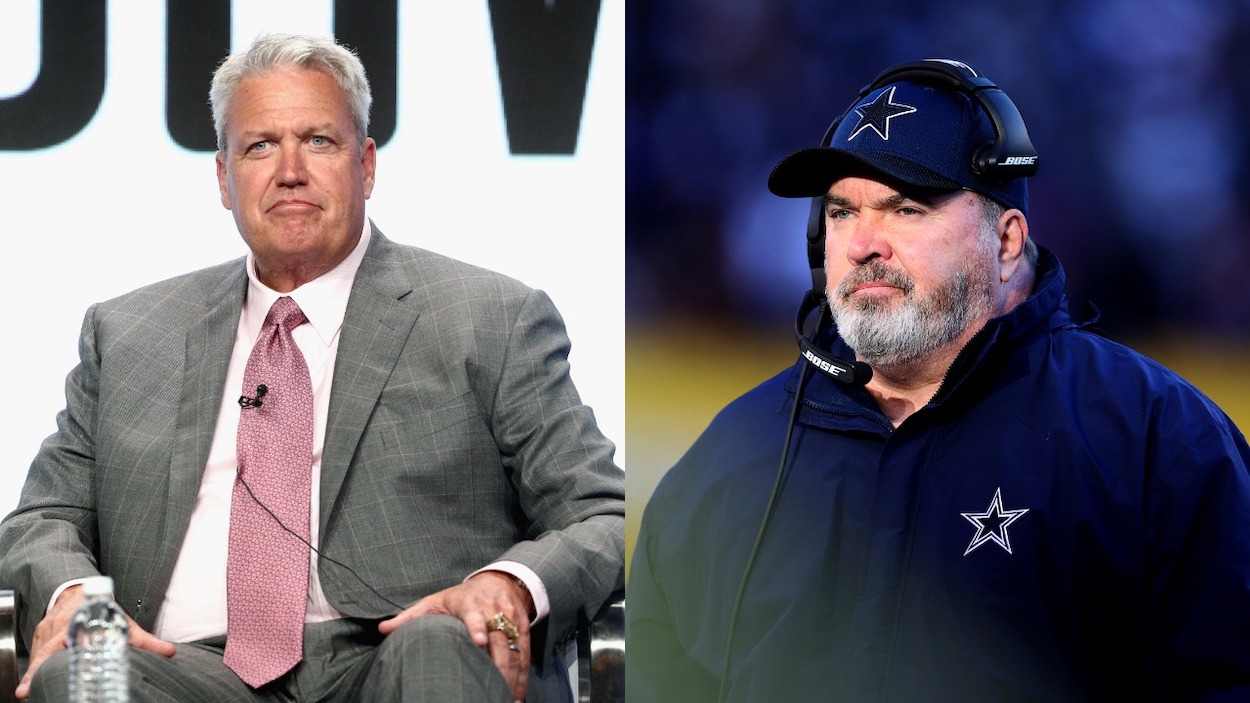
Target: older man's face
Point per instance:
(907, 277)
(294, 174)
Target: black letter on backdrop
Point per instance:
(370, 29)
(543, 51)
(198, 38)
(70, 83)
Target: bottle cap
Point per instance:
(98, 586)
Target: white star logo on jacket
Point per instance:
(992, 524)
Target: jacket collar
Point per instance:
(829, 403)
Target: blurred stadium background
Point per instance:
(1137, 109)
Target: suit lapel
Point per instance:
(380, 315)
(209, 345)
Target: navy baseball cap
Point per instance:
(910, 133)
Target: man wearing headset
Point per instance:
(960, 492)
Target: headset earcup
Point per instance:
(816, 222)
(816, 244)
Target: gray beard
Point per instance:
(885, 333)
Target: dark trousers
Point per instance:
(429, 658)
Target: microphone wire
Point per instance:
(308, 544)
(759, 536)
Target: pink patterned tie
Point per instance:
(267, 568)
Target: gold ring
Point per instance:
(503, 624)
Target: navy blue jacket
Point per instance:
(1066, 520)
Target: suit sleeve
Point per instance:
(571, 491)
(51, 536)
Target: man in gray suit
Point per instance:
(465, 510)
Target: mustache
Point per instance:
(871, 272)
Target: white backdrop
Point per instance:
(121, 205)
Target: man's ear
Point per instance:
(221, 180)
(1013, 232)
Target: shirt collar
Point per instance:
(323, 299)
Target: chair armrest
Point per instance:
(9, 663)
(601, 655)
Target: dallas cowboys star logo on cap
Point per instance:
(992, 524)
(878, 113)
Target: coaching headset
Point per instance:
(994, 166)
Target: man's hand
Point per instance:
(51, 633)
(474, 602)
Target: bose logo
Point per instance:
(542, 51)
(1020, 161)
(820, 363)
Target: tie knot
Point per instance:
(286, 314)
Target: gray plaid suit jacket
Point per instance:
(455, 438)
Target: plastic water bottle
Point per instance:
(99, 660)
